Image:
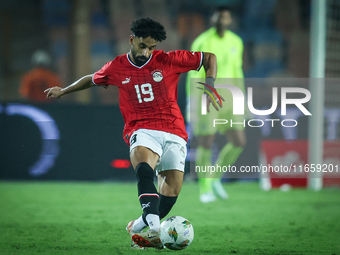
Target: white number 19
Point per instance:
(146, 90)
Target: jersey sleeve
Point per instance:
(183, 61)
(196, 46)
(104, 77)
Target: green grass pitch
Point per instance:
(90, 218)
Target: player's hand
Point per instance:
(54, 92)
(216, 106)
(209, 86)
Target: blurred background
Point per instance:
(79, 136)
(81, 36)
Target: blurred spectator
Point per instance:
(41, 77)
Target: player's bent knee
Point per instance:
(171, 191)
(240, 143)
(238, 140)
(171, 183)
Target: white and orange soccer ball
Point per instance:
(177, 233)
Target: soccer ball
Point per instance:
(177, 233)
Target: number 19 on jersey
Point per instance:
(144, 93)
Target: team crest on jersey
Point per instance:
(157, 75)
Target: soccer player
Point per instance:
(228, 48)
(154, 127)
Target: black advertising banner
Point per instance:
(62, 142)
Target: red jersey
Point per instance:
(148, 93)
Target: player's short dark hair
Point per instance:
(146, 27)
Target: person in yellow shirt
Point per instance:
(228, 48)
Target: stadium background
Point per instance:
(70, 190)
(83, 35)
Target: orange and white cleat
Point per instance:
(150, 238)
(134, 246)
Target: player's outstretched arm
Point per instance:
(210, 64)
(83, 83)
(210, 67)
